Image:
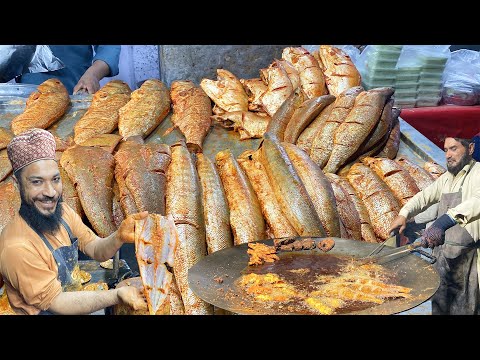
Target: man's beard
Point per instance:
(41, 223)
(455, 169)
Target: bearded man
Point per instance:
(39, 246)
(454, 235)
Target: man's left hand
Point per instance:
(435, 234)
(126, 230)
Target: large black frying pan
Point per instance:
(213, 277)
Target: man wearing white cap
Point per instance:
(39, 247)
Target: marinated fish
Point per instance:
(43, 107)
(381, 204)
(192, 110)
(279, 88)
(254, 89)
(9, 203)
(390, 150)
(93, 181)
(226, 92)
(318, 188)
(5, 136)
(69, 192)
(305, 139)
(280, 119)
(215, 207)
(102, 114)
(312, 80)
(434, 169)
(358, 124)
(145, 110)
(421, 177)
(184, 203)
(140, 171)
(277, 222)
(246, 217)
(340, 72)
(5, 165)
(323, 141)
(107, 142)
(289, 189)
(304, 115)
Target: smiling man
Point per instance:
(39, 247)
(454, 235)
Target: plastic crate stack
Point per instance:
(406, 86)
(379, 62)
(430, 82)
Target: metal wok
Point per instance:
(213, 277)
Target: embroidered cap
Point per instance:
(30, 146)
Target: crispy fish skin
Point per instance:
(279, 88)
(346, 209)
(304, 115)
(434, 169)
(249, 125)
(192, 110)
(397, 179)
(107, 142)
(381, 204)
(43, 107)
(9, 203)
(318, 188)
(5, 136)
(118, 215)
(322, 142)
(102, 114)
(140, 171)
(312, 80)
(421, 177)
(246, 217)
(358, 124)
(227, 92)
(305, 139)
(390, 150)
(280, 119)
(367, 232)
(183, 202)
(5, 165)
(145, 110)
(254, 88)
(215, 207)
(156, 240)
(292, 73)
(289, 189)
(340, 72)
(93, 181)
(277, 221)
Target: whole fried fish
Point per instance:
(140, 171)
(434, 169)
(192, 110)
(279, 88)
(282, 116)
(277, 222)
(358, 124)
(254, 88)
(390, 150)
(246, 217)
(184, 203)
(289, 189)
(323, 141)
(93, 181)
(318, 188)
(145, 110)
(43, 107)
(396, 177)
(340, 72)
(381, 204)
(312, 80)
(9, 203)
(305, 139)
(102, 114)
(421, 177)
(215, 207)
(227, 92)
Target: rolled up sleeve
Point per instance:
(110, 54)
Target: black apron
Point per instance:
(456, 264)
(66, 258)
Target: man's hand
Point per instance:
(126, 230)
(435, 234)
(398, 223)
(132, 297)
(87, 83)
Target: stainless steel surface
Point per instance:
(228, 265)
